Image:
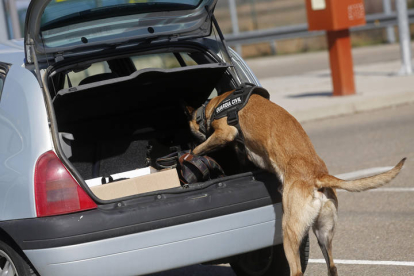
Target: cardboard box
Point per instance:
(128, 174)
(160, 180)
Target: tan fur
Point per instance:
(276, 142)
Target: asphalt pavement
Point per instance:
(374, 225)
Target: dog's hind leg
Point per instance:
(324, 229)
(300, 209)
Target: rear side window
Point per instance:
(162, 61)
(105, 70)
(83, 74)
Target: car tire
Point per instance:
(269, 261)
(12, 261)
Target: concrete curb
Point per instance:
(359, 105)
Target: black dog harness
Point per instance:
(230, 108)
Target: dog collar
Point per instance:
(201, 118)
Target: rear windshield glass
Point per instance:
(62, 10)
(75, 22)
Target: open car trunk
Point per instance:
(123, 124)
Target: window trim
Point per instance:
(4, 69)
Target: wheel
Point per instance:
(11, 262)
(269, 261)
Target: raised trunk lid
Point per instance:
(58, 27)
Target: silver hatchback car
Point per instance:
(95, 91)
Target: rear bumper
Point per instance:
(165, 248)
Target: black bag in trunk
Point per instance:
(191, 168)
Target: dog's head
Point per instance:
(191, 113)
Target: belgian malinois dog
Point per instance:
(276, 142)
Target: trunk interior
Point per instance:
(110, 124)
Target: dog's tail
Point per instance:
(362, 184)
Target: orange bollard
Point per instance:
(340, 58)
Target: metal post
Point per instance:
(254, 14)
(14, 16)
(273, 47)
(340, 59)
(386, 4)
(404, 35)
(235, 22)
(3, 23)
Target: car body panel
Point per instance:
(12, 52)
(166, 248)
(242, 68)
(167, 208)
(132, 236)
(24, 137)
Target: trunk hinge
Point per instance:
(59, 57)
(36, 64)
(174, 38)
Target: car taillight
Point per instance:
(56, 191)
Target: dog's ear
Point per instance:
(188, 110)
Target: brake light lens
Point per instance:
(56, 191)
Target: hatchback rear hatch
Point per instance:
(124, 119)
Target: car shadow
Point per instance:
(198, 270)
(308, 95)
(364, 73)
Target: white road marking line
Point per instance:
(363, 262)
(392, 190)
(369, 172)
(363, 173)
(385, 190)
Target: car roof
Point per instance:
(12, 52)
